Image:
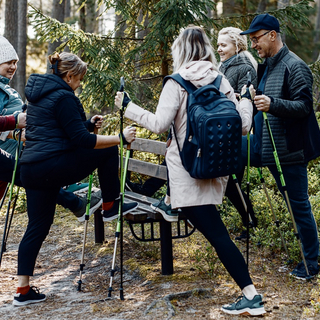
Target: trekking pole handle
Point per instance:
(121, 84)
(248, 79)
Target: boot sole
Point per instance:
(246, 311)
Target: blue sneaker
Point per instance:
(95, 203)
(244, 306)
(77, 187)
(299, 272)
(166, 211)
(109, 215)
(33, 296)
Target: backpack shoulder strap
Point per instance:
(217, 81)
(187, 85)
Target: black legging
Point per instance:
(42, 182)
(208, 221)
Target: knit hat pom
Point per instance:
(7, 52)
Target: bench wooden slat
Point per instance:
(147, 168)
(147, 145)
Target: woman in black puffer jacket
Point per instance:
(60, 151)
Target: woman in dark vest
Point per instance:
(60, 151)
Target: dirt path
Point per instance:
(188, 294)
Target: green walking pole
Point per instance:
(283, 184)
(248, 170)
(119, 228)
(86, 217)
(248, 193)
(8, 221)
(276, 221)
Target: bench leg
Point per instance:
(98, 227)
(166, 248)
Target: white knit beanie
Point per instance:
(7, 52)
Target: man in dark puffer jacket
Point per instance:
(285, 93)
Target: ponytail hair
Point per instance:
(66, 62)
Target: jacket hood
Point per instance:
(40, 85)
(199, 72)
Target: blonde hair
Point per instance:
(67, 62)
(240, 42)
(192, 45)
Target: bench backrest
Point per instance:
(148, 168)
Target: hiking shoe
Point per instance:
(168, 214)
(299, 272)
(77, 187)
(113, 213)
(244, 306)
(134, 187)
(95, 203)
(242, 236)
(33, 296)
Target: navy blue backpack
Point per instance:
(212, 146)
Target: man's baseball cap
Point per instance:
(263, 22)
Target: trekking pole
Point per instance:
(4, 196)
(8, 220)
(276, 221)
(119, 228)
(235, 180)
(284, 187)
(248, 174)
(86, 219)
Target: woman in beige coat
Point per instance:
(194, 60)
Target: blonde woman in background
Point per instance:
(235, 58)
(235, 63)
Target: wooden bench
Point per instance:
(146, 224)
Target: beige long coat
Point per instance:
(184, 190)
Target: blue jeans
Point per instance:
(296, 180)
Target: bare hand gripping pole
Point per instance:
(284, 187)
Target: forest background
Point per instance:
(132, 39)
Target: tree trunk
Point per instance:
(228, 7)
(316, 34)
(20, 76)
(262, 6)
(91, 15)
(282, 4)
(58, 12)
(11, 27)
(120, 25)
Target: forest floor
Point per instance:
(190, 293)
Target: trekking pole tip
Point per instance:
(79, 285)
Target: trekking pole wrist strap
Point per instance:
(15, 134)
(124, 141)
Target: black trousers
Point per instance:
(7, 162)
(42, 182)
(208, 221)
